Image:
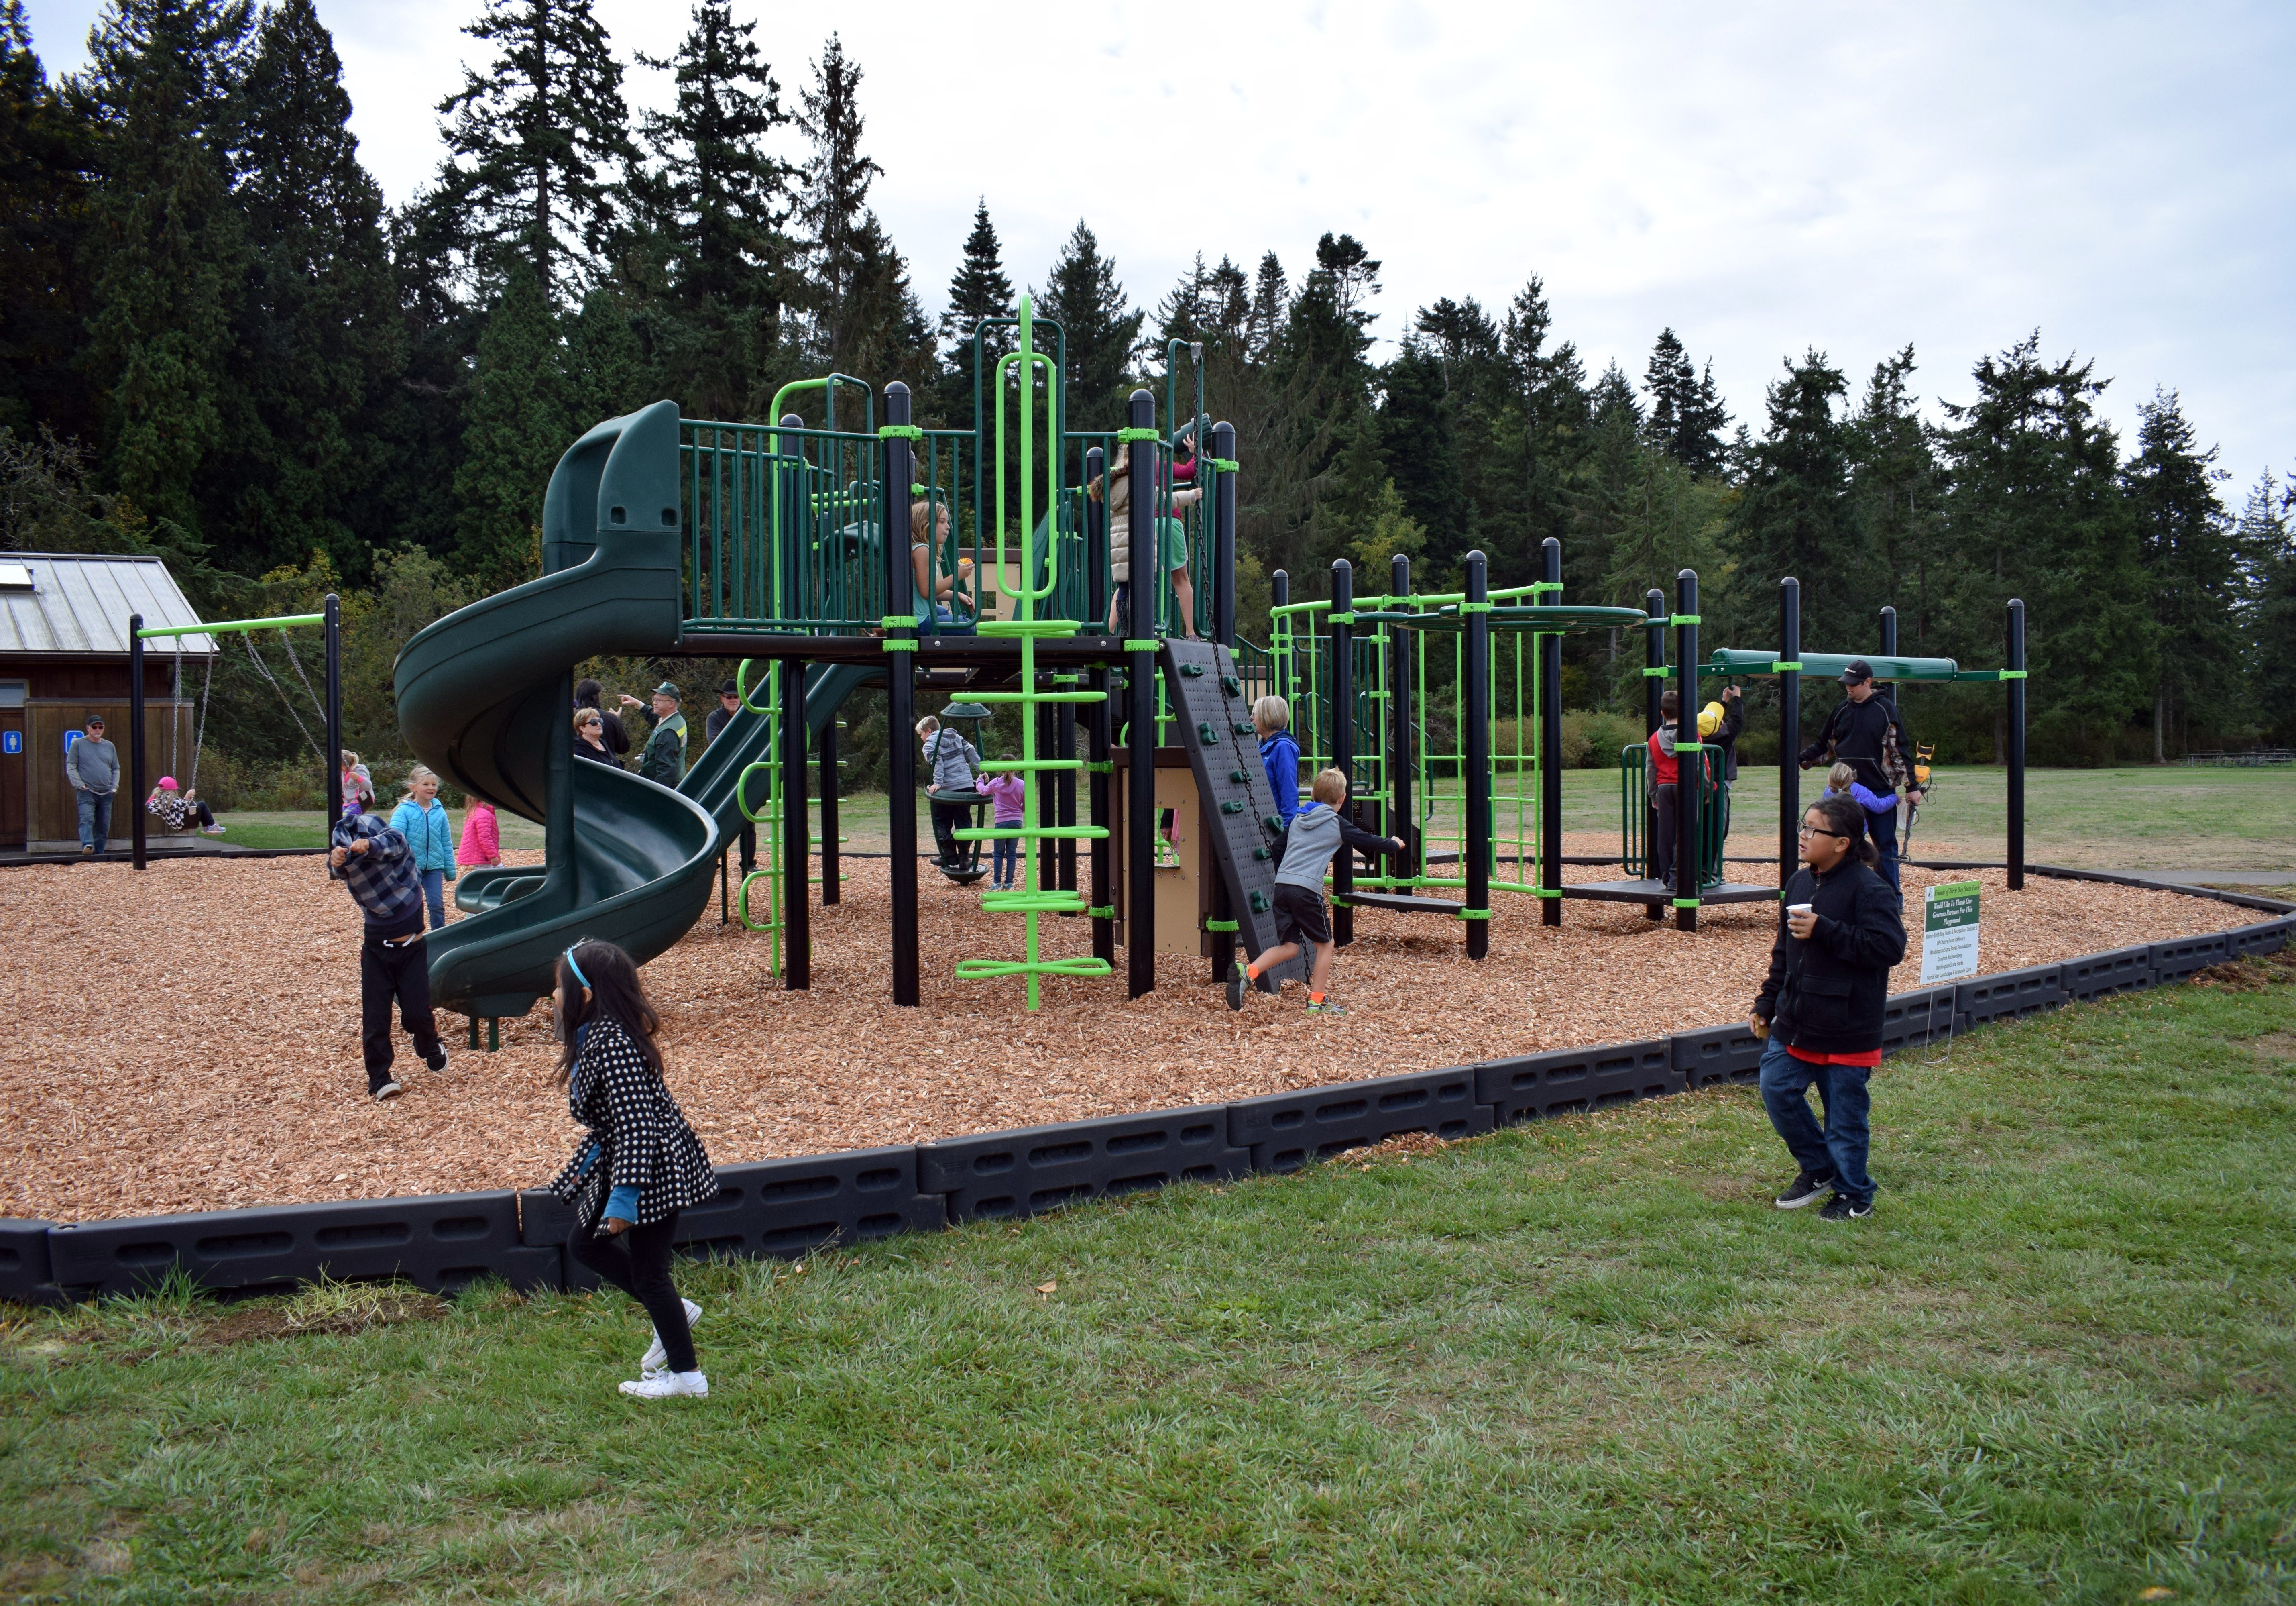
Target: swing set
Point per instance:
(330, 706)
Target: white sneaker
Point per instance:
(657, 1357)
(388, 1090)
(669, 1386)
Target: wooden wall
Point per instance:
(52, 810)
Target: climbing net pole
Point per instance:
(1036, 897)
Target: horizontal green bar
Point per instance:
(1051, 833)
(1730, 661)
(224, 627)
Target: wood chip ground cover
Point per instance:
(188, 1039)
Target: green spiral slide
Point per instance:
(486, 698)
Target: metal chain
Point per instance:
(283, 698)
(200, 730)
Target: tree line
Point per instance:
(218, 342)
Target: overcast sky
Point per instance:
(1762, 177)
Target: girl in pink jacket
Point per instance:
(1009, 793)
(481, 841)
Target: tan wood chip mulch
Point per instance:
(188, 1039)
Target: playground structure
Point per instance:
(781, 544)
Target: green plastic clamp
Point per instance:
(1647, 670)
(1105, 766)
(1339, 619)
(1782, 666)
(897, 621)
(1101, 911)
(1150, 433)
(1477, 608)
(1222, 926)
(1684, 619)
(918, 490)
(2014, 674)
(1686, 904)
(1223, 465)
(1546, 585)
(1546, 892)
(1473, 914)
(1150, 645)
(901, 644)
(901, 432)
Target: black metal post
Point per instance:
(1398, 758)
(797, 830)
(1688, 755)
(1653, 677)
(1064, 785)
(1789, 729)
(900, 694)
(2016, 746)
(1341, 624)
(1889, 636)
(135, 755)
(1279, 677)
(1475, 837)
(1224, 537)
(827, 748)
(1549, 648)
(1140, 720)
(333, 609)
(1101, 716)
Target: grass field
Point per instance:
(2142, 818)
(1583, 1361)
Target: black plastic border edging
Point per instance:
(803, 1203)
(18, 864)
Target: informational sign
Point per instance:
(11, 742)
(71, 737)
(1949, 931)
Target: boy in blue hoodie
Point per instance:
(1317, 833)
(1279, 754)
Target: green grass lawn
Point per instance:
(308, 829)
(1583, 1361)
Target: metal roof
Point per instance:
(81, 603)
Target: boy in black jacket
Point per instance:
(1820, 1009)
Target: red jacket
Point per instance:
(481, 841)
(1664, 771)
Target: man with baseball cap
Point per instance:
(729, 703)
(92, 767)
(664, 759)
(1867, 732)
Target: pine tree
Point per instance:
(1418, 443)
(2036, 511)
(888, 336)
(2193, 576)
(535, 145)
(834, 204)
(1686, 417)
(1182, 313)
(517, 426)
(1795, 517)
(1084, 297)
(1897, 498)
(718, 203)
(607, 374)
(168, 246)
(1613, 398)
(1270, 312)
(319, 339)
(46, 163)
(979, 289)
(2268, 539)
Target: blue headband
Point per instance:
(576, 969)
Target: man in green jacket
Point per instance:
(664, 758)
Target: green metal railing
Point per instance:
(1636, 805)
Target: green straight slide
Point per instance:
(486, 698)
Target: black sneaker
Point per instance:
(1839, 1209)
(1236, 980)
(438, 1061)
(1805, 1191)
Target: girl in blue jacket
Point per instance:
(422, 820)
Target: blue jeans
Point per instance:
(94, 818)
(1885, 843)
(434, 893)
(1004, 863)
(1836, 1151)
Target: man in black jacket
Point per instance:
(1820, 1008)
(1866, 730)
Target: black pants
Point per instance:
(401, 972)
(948, 820)
(637, 1263)
(1666, 839)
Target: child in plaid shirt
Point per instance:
(375, 863)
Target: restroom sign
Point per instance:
(11, 742)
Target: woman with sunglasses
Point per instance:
(590, 737)
(1839, 932)
(641, 1165)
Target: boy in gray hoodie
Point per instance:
(1316, 833)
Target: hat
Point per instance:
(1859, 672)
(1710, 718)
(94, 719)
(166, 783)
(727, 689)
(666, 690)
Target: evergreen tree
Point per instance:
(834, 204)
(1897, 499)
(1539, 437)
(1270, 312)
(606, 370)
(1613, 398)
(1083, 295)
(1418, 443)
(46, 163)
(167, 247)
(887, 333)
(2193, 575)
(717, 201)
(1686, 415)
(2268, 537)
(2037, 512)
(318, 339)
(979, 289)
(534, 145)
(1795, 515)
(516, 428)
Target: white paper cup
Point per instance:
(1801, 909)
